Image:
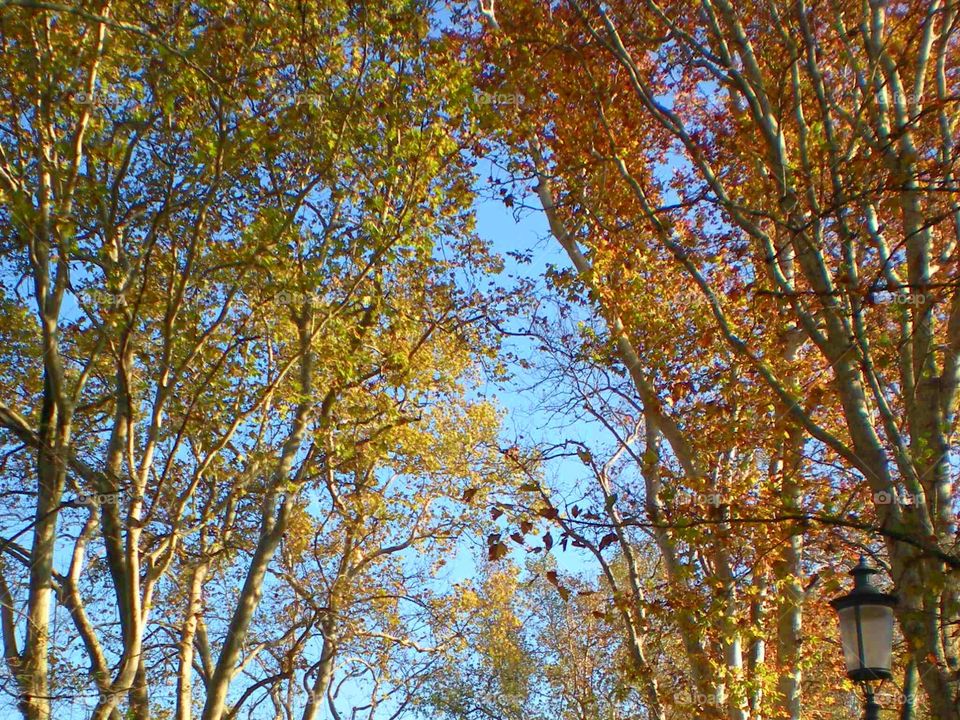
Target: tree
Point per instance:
(492, 673)
(795, 168)
(225, 303)
(528, 652)
(698, 592)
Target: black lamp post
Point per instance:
(866, 633)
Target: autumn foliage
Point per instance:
(248, 455)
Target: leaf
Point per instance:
(555, 581)
(607, 540)
(469, 494)
(495, 548)
(548, 541)
(497, 551)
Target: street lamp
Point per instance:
(866, 633)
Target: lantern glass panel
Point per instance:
(876, 636)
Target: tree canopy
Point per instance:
(260, 455)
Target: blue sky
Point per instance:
(525, 420)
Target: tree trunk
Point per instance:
(192, 612)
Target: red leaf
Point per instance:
(497, 551)
(555, 581)
(608, 540)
